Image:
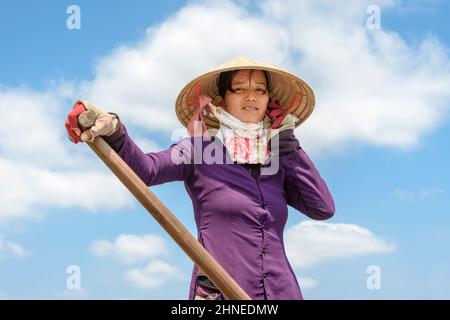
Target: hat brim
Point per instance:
(293, 94)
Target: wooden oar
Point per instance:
(223, 281)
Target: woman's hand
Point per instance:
(87, 121)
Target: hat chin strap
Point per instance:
(231, 121)
(245, 142)
(197, 125)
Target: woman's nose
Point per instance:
(250, 97)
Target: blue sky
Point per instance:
(378, 136)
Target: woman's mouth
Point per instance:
(250, 108)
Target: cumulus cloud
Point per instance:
(31, 127)
(130, 249)
(27, 189)
(13, 248)
(307, 283)
(154, 275)
(312, 242)
(372, 87)
(39, 167)
(148, 145)
(140, 82)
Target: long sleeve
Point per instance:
(172, 164)
(305, 189)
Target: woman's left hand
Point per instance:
(276, 113)
(281, 119)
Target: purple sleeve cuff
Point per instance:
(288, 143)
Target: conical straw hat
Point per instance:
(293, 94)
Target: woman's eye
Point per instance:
(241, 89)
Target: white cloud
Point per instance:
(312, 242)
(147, 145)
(129, 248)
(154, 275)
(40, 168)
(417, 195)
(307, 283)
(26, 188)
(11, 247)
(371, 87)
(30, 129)
(140, 82)
(16, 249)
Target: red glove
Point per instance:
(276, 113)
(72, 127)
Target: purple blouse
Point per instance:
(240, 215)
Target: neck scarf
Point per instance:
(245, 142)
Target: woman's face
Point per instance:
(249, 100)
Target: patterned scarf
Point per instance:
(245, 142)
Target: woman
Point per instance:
(240, 198)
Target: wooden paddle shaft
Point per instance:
(202, 258)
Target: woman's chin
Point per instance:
(247, 119)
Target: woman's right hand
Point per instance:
(87, 121)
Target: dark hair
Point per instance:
(225, 79)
